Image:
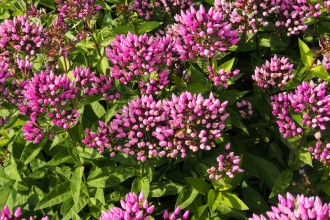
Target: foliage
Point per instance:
(209, 109)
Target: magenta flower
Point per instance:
(202, 33)
(133, 207)
(310, 100)
(244, 108)
(301, 207)
(172, 128)
(221, 77)
(141, 59)
(321, 150)
(176, 215)
(5, 214)
(293, 14)
(247, 16)
(77, 9)
(22, 35)
(274, 73)
(228, 164)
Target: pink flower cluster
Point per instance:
(22, 35)
(176, 215)
(244, 108)
(55, 97)
(90, 84)
(77, 9)
(325, 51)
(149, 128)
(176, 5)
(221, 77)
(247, 16)
(274, 73)
(293, 14)
(142, 59)
(137, 208)
(202, 33)
(5, 214)
(228, 164)
(309, 100)
(321, 150)
(301, 207)
(146, 8)
(133, 208)
(48, 94)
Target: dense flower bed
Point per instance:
(128, 109)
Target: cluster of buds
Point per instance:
(321, 151)
(142, 59)
(77, 9)
(171, 128)
(308, 99)
(325, 51)
(55, 97)
(228, 164)
(301, 207)
(134, 207)
(48, 94)
(146, 8)
(5, 214)
(247, 16)
(176, 215)
(327, 4)
(221, 76)
(274, 73)
(293, 14)
(22, 35)
(91, 84)
(202, 33)
(244, 108)
(176, 5)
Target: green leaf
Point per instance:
(236, 121)
(141, 184)
(305, 54)
(109, 176)
(98, 109)
(254, 199)
(266, 169)
(164, 189)
(8, 194)
(320, 72)
(58, 195)
(196, 88)
(232, 201)
(186, 197)
(200, 185)
(11, 171)
(231, 96)
(75, 208)
(75, 183)
(59, 158)
(305, 157)
(103, 65)
(283, 180)
(201, 213)
(196, 76)
(298, 118)
(227, 66)
(31, 151)
(145, 27)
(213, 200)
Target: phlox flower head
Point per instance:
(202, 33)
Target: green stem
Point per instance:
(93, 38)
